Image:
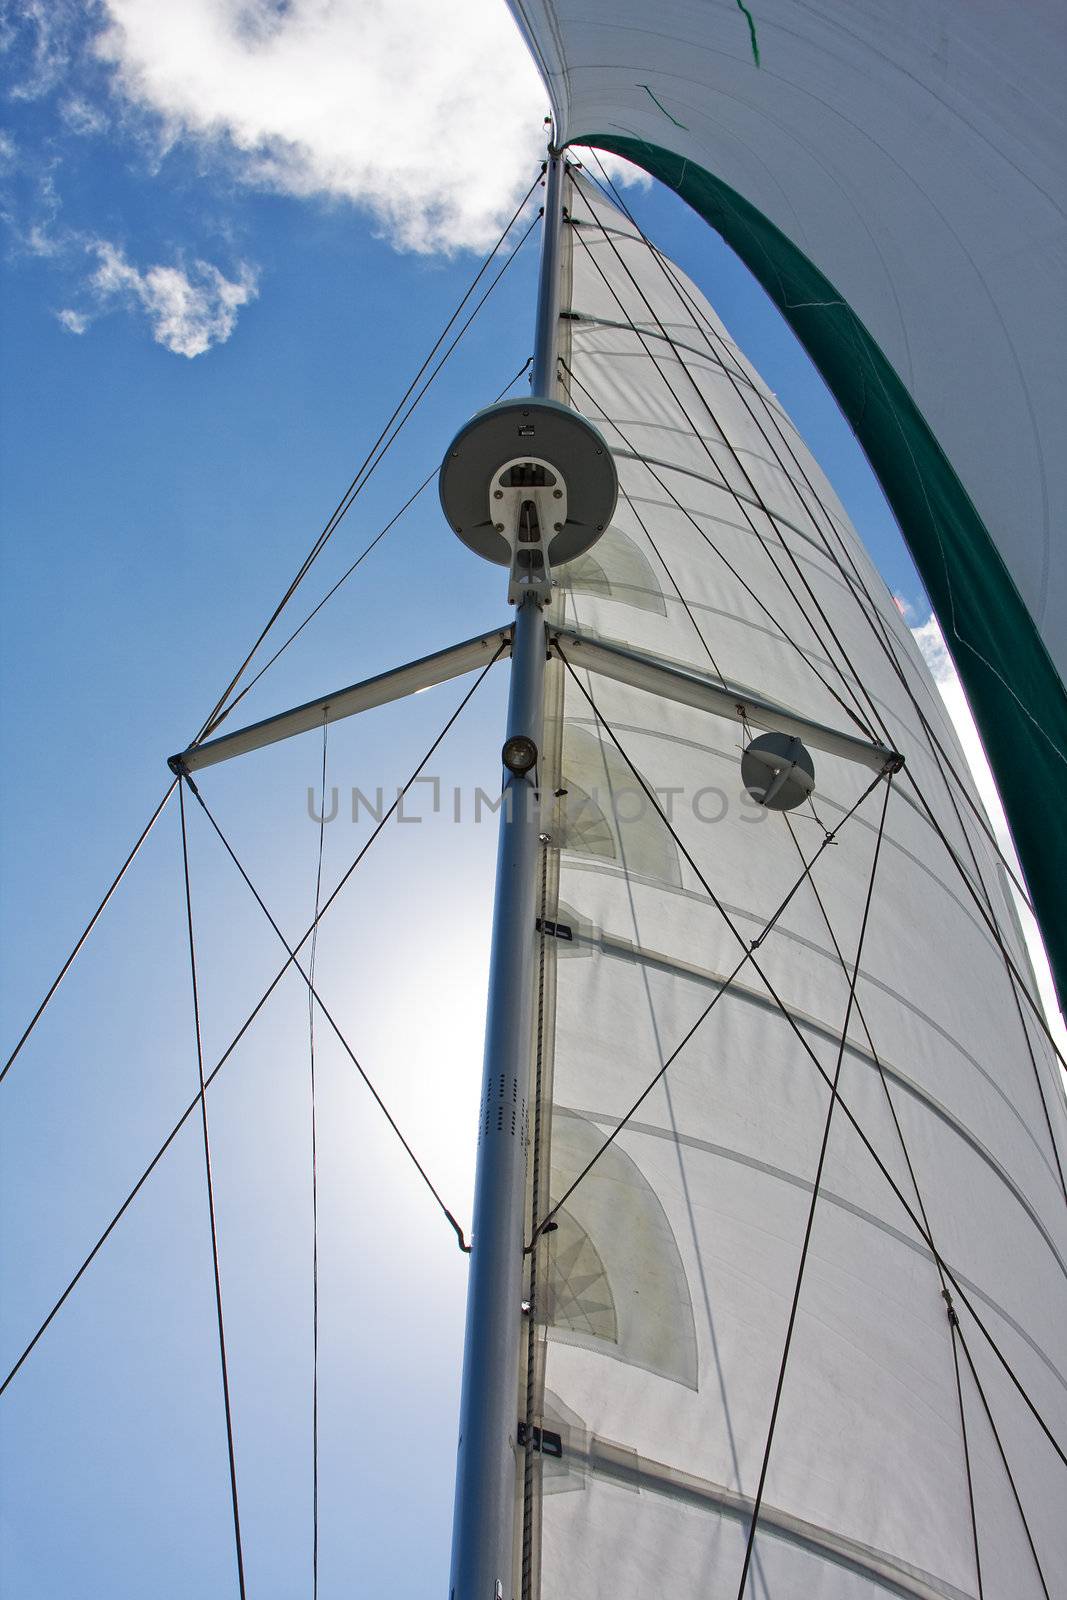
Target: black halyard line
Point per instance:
(719, 350)
(221, 709)
(709, 541)
(315, 1180)
(315, 999)
(235, 1041)
(202, 1100)
(216, 716)
(846, 681)
(954, 1328)
(378, 537)
(1003, 1457)
(795, 1027)
(966, 1454)
(741, 383)
(758, 1502)
(89, 926)
(828, 839)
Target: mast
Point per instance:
(486, 1472)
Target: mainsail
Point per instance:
(895, 180)
(917, 1342)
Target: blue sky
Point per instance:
(230, 236)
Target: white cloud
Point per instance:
(49, 25)
(602, 163)
(430, 115)
(74, 321)
(931, 642)
(189, 311)
(81, 117)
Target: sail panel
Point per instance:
(896, 184)
(662, 1296)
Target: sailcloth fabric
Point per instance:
(661, 1295)
(894, 176)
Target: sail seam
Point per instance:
(810, 1053)
(737, 376)
(626, 951)
(816, 1186)
(882, 636)
(805, 656)
(737, 461)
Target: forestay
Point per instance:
(662, 1294)
(894, 176)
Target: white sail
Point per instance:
(894, 178)
(662, 1295)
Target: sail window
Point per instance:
(605, 814)
(616, 571)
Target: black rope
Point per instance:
(221, 709)
(202, 1099)
(315, 1182)
(87, 930)
(366, 467)
(242, 1030)
(954, 1325)
(1004, 1459)
(316, 999)
(757, 1504)
(857, 582)
(847, 682)
(727, 563)
(565, 376)
(364, 553)
(719, 350)
(725, 986)
(914, 1218)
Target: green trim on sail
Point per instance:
(1016, 695)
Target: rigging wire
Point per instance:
(846, 680)
(816, 1186)
(954, 1325)
(366, 466)
(805, 1045)
(1004, 1459)
(89, 926)
(316, 999)
(783, 632)
(202, 1100)
(889, 647)
(243, 1029)
(749, 951)
(315, 1182)
(953, 1321)
(394, 519)
(719, 351)
(221, 709)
